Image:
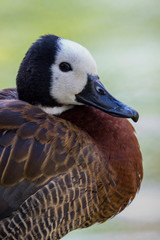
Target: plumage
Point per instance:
(59, 173)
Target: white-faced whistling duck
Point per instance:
(68, 156)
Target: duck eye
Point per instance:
(65, 67)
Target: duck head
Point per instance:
(57, 74)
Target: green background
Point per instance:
(123, 36)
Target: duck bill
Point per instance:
(96, 95)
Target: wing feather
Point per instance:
(34, 149)
(34, 143)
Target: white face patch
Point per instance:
(65, 85)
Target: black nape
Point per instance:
(34, 75)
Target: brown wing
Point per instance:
(34, 148)
(63, 204)
(8, 93)
(34, 144)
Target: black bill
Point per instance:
(96, 95)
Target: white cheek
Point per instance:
(65, 85)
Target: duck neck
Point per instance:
(90, 120)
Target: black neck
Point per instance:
(35, 76)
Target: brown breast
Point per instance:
(85, 173)
(121, 167)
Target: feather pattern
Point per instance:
(57, 174)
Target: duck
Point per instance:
(69, 157)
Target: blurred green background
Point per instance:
(123, 36)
